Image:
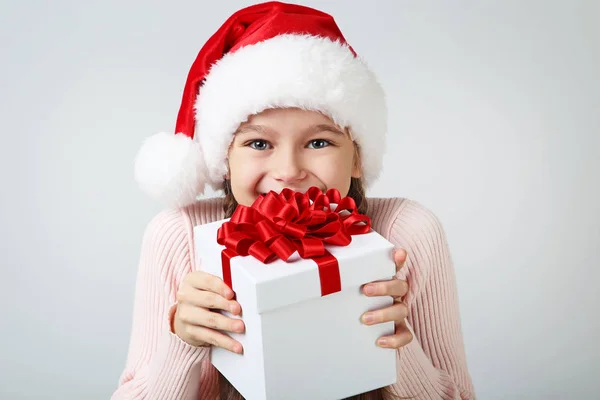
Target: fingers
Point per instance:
(197, 316)
(394, 288)
(202, 298)
(197, 320)
(396, 312)
(205, 290)
(400, 338)
(399, 258)
(201, 336)
(204, 281)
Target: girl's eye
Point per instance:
(318, 144)
(259, 144)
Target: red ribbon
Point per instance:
(278, 225)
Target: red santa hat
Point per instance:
(264, 56)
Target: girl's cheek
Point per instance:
(332, 168)
(247, 171)
(239, 160)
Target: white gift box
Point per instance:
(299, 344)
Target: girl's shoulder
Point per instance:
(410, 225)
(177, 224)
(184, 219)
(167, 242)
(402, 218)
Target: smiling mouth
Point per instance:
(301, 190)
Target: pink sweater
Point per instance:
(162, 366)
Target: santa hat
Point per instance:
(265, 56)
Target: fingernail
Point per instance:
(383, 342)
(368, 318)
(370, 289)
(400, 250)
(237, 348)
(238, 326)
(233, 308)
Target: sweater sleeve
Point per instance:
(433, 365)
(159, 364)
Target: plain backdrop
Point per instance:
(494, 125)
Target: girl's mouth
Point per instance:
(299, 190)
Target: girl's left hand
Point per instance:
(396, 312)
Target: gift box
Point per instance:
(296, 263)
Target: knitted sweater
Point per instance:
(162, 366)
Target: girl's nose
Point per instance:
(289, 169)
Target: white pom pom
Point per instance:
(171, 168)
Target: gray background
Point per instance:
(494, 126)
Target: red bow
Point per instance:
(278, 225)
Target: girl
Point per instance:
(277, 99)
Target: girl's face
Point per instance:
(290, 148)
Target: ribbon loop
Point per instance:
(278, 225)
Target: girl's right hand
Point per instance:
(195, 320)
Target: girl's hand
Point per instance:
(396, 312)
(196, 323)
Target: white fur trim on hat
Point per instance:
(301, 71)
(171, 168)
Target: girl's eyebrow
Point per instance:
(324, 127)
(252, 128)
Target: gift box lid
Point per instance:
(282, 283)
